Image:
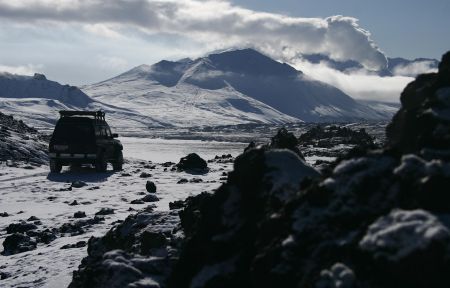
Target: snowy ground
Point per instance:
(35, 192)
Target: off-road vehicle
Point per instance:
(84, 137)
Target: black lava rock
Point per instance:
(145, 175)
(105, 211)
(150, 198)
(137, 201)
(192, 162)
(151, 240)
(78, 184)
(79, 244)
(20, 227)
(176, 205)
(33, 218)
(18, 243)
(79, 214)
(150, 187)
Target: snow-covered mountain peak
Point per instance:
(234, 86)
(251, 62)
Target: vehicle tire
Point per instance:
(55, 166)
(117, 164)
(100, 164)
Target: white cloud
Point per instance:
(102, 30)
(28, 69)
(414, 68)
(215, 23)
(359, 84)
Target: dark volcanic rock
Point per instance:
(332, 135)
(105, 211)
(421, 123)
(79, 214)
(17, 243)
(376, 217)
(4, 275)
(20, 227)
(4, 214)
(136, 253)
(182, 181)
(137, 201)
(150, 198)
(44, 236)
(79, 227)
(79, 244)
(285, 140)
(151, 240)
(192, 162)
(176, 205)
(33, 218)
(150, 187)
(145, 175)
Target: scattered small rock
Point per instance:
(196, 180)
(79, 214)
(182, 181)
(78, 184)
(4, 214)
(150, 186)
(74, 203)
(145, 175)
(150, 198)
(79, 244)
(105, 211)
(33, 218)
(137, 201)
(4, 275)
(167, 164)
(45, 236)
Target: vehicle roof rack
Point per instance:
(98, 115)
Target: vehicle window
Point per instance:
(73, 132)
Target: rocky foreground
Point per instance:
(374, 218)
(20, 143)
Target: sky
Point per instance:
(86, 41)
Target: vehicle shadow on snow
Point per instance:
(86, 174)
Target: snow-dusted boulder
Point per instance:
(402, 233)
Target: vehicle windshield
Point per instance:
(73, 132)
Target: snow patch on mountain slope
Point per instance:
(37, 101)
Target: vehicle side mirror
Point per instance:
(115, 135)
